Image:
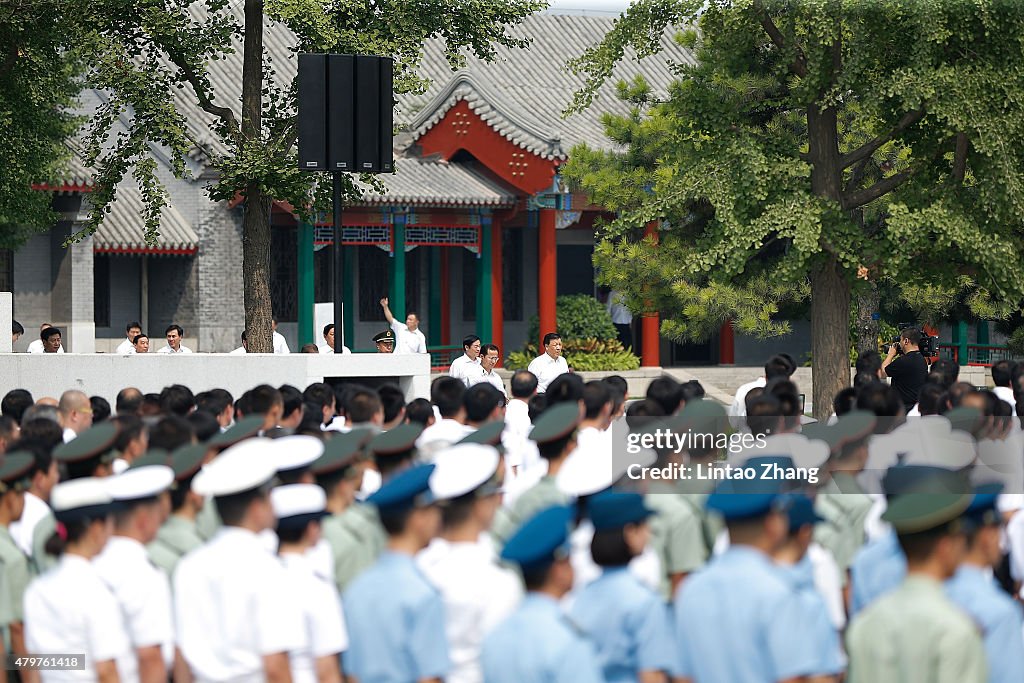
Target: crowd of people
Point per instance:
(341, 533)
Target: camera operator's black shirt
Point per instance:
(909, 372)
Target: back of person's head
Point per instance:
(933, 399)
(129, 428)
(44, 431)
(752, 395)
(912, 335)
(41, 411)
(203, 424)
(393, 400)
(596, 395)
(788, 396)
(764, 414)
(869, 361)
(691, 390)
(882, 400)
(215, 401)
(665, 390)
(944, 372)
(524, 384)
(480, 401)
(150, 405)
(647, 407)
(100, 409)
(566, 388)
(41, 452)
(617, 382)
(863, 379)
(8, 429)
(537, 404)
(128, 402)
(447, 394)
(177, 399)
(845, 401)
(233, 509)
(361, 404)
(17, 328)
(319, 394)
(15, 403)
(291, 397)
(779, 365)
(170, 433)
(263, 398)
(419, 410)
(957, 392)
(1002, 373)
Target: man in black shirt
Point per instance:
(909, 372)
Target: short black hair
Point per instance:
(41, 451)
(550, 337)
(292, 398)
(419, 410)
(863, 379)
(618, 382)
(645, 408)
(177, 399)
(100, 409)
(763, 414)
(394, 520)
(128, 429)
(932, 399)
(49, 332)
(869, 361)
(944, 372)
(214, 401)
(243, 335)
(566, 388)
(17, 328)
(779, 366)
(480, 400)
(170, 328)
(1002, 372)
(882, 400)
(490, 347)
(264, 397)
(15, 403)
(691, 389)
(524, 384)
(392, 399)
(133, 324)
(469, 340)
(912, 335)
(447, 394)
(327, 328)
(170, 433)
(362, 404)
(609, 549)
(537, 404)
(232, 508)
(845, 401)
(150, 404)
(596, 395)
(665, 390)
(319, 394)
(204, 425)
(920, 546)
(44, 431)
(7, 425)
(136, 338)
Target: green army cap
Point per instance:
(397, 441)
(342, 450)
(157, 456)
(94, 443)
(246, 428)
(187, 460)
(557, 422)
(851, 428)
(16, 471)
(487, 434)
(701, 416)
(965, 418)
(385, 336)
(933, 498)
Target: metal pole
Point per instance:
(339, 267)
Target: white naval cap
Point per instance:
(585, 472)
(88, 497)
(297, 451)
(462, 469)
(140, 483)
(297, 504)
(245, 466)
(954, 450)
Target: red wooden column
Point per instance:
(726, 344)
(547, 273)
(497, 306)
(446, 306)
(650, 352)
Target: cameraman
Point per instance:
(909, 372)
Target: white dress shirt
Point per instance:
(232, 606)
(323, 631)
(238, 352)
(324, 348)
(37, 347)
(181, 349)
(1006, 395)
(143, 592)
(738, 409)
(546, 369)
(69, 434)
(478, 594)
(492, 378)
(280, 343)
(520, 450)
(462, 366)
(70, 609)
(442, 433)
(408, 341)
(125, 347)
(22, 530)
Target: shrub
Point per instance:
(583, 355)
(1015, 342)
(579, 316)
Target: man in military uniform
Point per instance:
(207, 521)
(179, 535)
(385, 341)
(16, 474)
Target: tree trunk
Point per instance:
(830, 324)
(256, 224)
(868, 326)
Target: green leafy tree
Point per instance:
(149, 55)
(38, 67)
(821, 146)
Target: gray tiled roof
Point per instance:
(435, 182)
(123, 227)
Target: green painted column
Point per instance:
(348, 324)
(483, 282)
(434, 309)
(983, 337)
(396, 290)
(960, 340)
(304, 235)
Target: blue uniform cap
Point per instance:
(983, 511)
(749, 498)
(614, 510)
(800, 509)
(410, 488)
(541, 540)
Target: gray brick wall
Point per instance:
(221, 308)
(32, 284)
(173, 296)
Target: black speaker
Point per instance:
(341, 150)
(312, 112)
(367, 113)
(387, 115)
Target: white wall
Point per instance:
(106, 374)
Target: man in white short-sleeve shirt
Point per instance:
(410, 337)
(488, 360)
(550, 364)
(132, 330)
(468, 364)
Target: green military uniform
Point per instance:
(680, 532)
(176, 537)
(845, 508)
(15, 474)
(915, 633)
(208, 521)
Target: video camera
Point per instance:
(929, 345)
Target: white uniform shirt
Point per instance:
(492, 378)
(323, 629)
(22, 530)
(519, 449)
(442, 433)
(37, 347)
(125, 347)
(546, 369)
(478, 595)
(231, 608)
(280, 344)
(409, 341)
(462, 367)
(324, 348)
(181, 349)
(144, 594)
(238, 352)
(69, 609)
(738, 409)
(617, 309)
(69, 434)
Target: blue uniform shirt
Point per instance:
(396, 624)
(538, 644)
(999, 618)
(628, 624)
(878, 568)
(817, 625)
(735, 621)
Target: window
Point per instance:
(6, 270)
(512, 273)
(372, 264)
(284, 273)
(101, 290)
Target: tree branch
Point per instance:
(871, 146)
(799, 65)
(857, 175)
(882, 187)
(960, 158)
(223, 113)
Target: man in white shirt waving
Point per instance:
(549, 364)
(410, 338)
